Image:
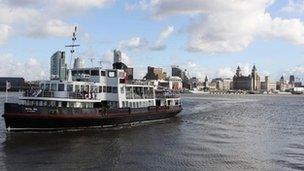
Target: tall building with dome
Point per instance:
(251, 82)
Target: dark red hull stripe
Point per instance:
(15, 120)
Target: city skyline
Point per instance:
(204, 37)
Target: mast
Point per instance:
(72, 46)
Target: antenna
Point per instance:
(100, 63)
(92, 61)
(73, 45)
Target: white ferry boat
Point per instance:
(91, 97)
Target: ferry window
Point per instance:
(100, 89)
(86, 88)
(122, 90)
(102, 73)
(109, 89)
(42, 86)
(104, 89)
(92, 88)
(64, 104)
(47, 87)
(111, 74)
(129, 94)
(114, 89)
(70, 87)
(53, 87)
(53, 103)
(71, 104)
(77, 88)
(60, 87)
(94, 72)
(87, 71)
(74, 73)
(82, 87)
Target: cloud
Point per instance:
(193, 69)
(30, 69)
(142, 5)
(134, 43)
(42, 18)
(139, 43)
(226, 72)
(219, 26)
(163, 36)
(297, 70)
(229, 72)
(158, 47)
(294, 7)
(22, 3)
(107, 59)
(5, 32)
(291, 30)
(52, 28)
(75, 7)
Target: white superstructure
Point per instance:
(98, 88)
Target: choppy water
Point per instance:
(232, 132)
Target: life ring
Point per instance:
(86, 96)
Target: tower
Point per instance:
(78, 63)
(267, 83)
(206, 82)
(117, 56)
(238, 72)
(291, 79)
(58, 67)
(282, 79)
(254, 79)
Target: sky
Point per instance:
(206, 37)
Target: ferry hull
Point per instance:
(16, 118)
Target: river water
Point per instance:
(213, 132)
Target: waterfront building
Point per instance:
(58, 69)
(129, 72)
(17, 83)
(291, 79)
(268, 86)
(222, 84)
(154, 73)
(251, 82)
(206, 83)
(117, 56)
(282, 84)
(78, 63)
(298, 84)
(193, 83)
(118, 64)
(176, 71)
(175, 83)
(212, 86)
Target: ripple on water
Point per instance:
(213, 132)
